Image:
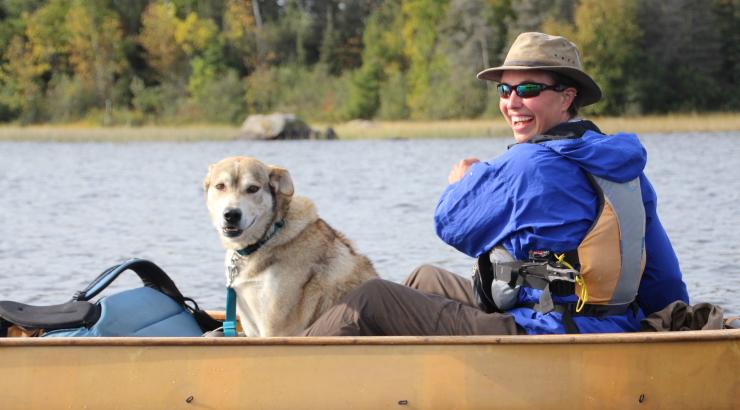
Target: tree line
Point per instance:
(186, 61)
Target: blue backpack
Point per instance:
(157, 309)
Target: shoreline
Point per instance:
(361, 129)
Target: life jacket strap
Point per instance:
(599, 311)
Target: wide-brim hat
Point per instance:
(539, 51)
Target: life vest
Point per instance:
(604, 271)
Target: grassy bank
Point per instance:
(366, 129)
(498, 127)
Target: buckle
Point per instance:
(539, 256)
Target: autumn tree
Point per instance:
(94, 45)
(163, 53)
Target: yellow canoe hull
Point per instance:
(617, 371)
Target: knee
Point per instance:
(425, 269)
(372, 289)
(421, 274)
(368, 298)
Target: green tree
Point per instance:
(685, 52)
(728, 28)
(382, 59)
(609, 38)
(472, 32)
(421, 19)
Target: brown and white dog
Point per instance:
(285, 263)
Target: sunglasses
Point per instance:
(526, 90)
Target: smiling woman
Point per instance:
(566, 201)
(539, 106)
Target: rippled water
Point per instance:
(68, 211)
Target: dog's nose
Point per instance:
(232, 215)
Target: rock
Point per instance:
(330, 134)
(279, 126)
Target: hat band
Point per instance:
(530, 63)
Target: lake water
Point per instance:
(68, 211)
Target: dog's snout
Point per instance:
(232, 215)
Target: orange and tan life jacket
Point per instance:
(610, 258)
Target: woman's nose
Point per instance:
(514, 101)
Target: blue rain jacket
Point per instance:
(536, 196)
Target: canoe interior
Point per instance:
(652, 370)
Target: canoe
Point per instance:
(694, 369)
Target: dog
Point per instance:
(286, 265)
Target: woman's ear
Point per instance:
(569, 95)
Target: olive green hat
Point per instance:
(539, 51)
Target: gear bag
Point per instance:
(157, 309)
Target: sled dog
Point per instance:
(286, 264)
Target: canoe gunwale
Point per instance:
(608, 338)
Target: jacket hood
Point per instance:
(619, 157)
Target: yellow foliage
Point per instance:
(46, 34)
(193, 33)
(558, 28)
(159, 24)
(238, 19)
(94, 47)
(22, 67)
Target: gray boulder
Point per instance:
(279, 126)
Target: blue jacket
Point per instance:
(536, 196)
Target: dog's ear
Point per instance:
(207, 180)
(280, 181)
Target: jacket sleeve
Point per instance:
(662, 281)
(527, 198)
(472, 208)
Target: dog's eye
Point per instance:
(220, 186)
(252, 189)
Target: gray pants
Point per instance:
(430, 302)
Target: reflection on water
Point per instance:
(67, 211)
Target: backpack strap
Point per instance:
(150, 274)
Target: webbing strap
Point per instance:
(569, 324)
(230, 322)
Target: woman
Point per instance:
(564, 223)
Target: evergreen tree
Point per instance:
(682, 55)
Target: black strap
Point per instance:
(149, 273)
(205, 321)
(568, 323)
(64, 316)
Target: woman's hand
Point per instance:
(460, 169)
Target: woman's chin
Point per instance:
(522, 137)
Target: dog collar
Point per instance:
(253, 247)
